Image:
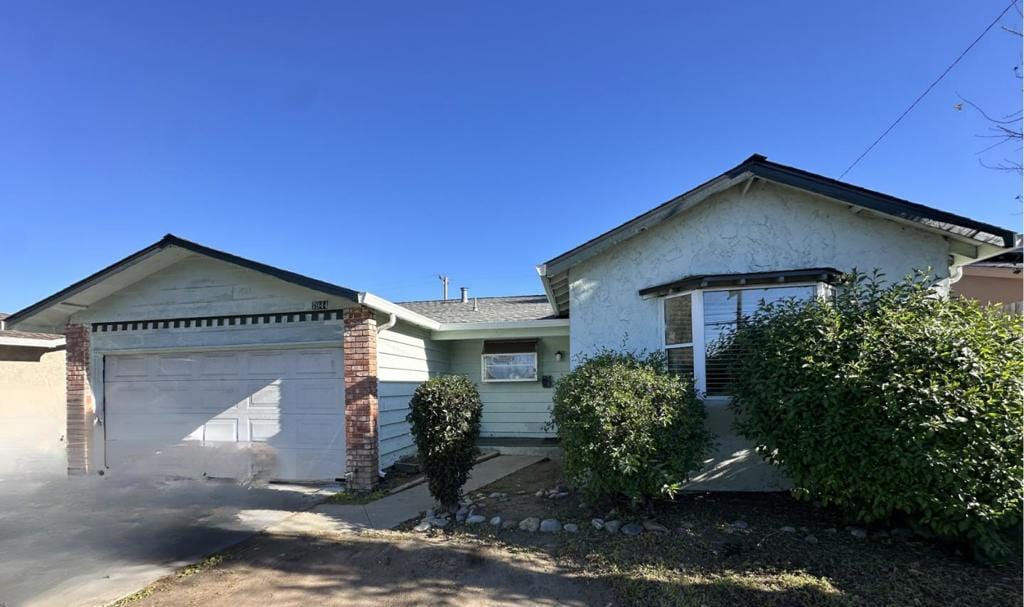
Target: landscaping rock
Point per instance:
(655, 527)
(530, 524)
(550, 525)
(632, 529)
(497, 495)
(475, 519)
(831, 530)
(570, 528)
(508, 525)
(858, 533)
(788, 529)
(740, 524)
(438, 522)
(598, 523)
(540, 493)
(422, 526)
(496, 521)
(559, 495)
(810, 539)
(612, 526)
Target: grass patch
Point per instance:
(214, 560)
(356, 498)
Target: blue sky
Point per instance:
(376, 145)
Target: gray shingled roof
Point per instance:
(490, 309)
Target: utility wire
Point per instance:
(929, 89)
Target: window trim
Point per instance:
(697, 320)
(536, 368)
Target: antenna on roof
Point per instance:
(444, 281)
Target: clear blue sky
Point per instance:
(376, 145)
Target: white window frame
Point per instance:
(697, 320)
(483, 368)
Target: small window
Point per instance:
(509, 361)
(510, 367)
(679, 333)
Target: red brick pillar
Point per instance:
(361, 441)
(80, 403)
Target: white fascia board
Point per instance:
(382, 305)
(32, 342)
(552, 327)
(545, 281)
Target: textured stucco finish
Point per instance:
(32, 413)
(770, 228)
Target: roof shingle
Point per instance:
(488, 309)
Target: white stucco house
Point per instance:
(186, 360)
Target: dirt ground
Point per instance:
(377, 569)
(736, 550)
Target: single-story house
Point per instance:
(32, 416)
(997, 281)
(182, 359)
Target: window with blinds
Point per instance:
(679, 333)
(723, 311)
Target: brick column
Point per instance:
(80, 404)
(361, 441)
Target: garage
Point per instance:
(261, 413)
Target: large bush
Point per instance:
(891, 403)
(628, 427)
(444, 419)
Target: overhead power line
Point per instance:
(929, 89)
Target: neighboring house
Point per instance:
(996, 281)
(187, 360)
(32, 419)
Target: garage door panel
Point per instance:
(225, 365)
(274, 364)
(128, 367)
(312, 395)
(280, 413)
(317, 364)
(176, 366)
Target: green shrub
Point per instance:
(891, 403)
(628, 427)
(444, 419)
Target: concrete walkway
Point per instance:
(393, 510)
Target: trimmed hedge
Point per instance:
(892, 404)
(444, 418)
(628, 428)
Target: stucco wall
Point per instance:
(32, 413)
(990, 285)
(771, 228)
(406, 357)
(513, 409)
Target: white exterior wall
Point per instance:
(406, 357)
(771, 228)
(514, 409)
(195, 287)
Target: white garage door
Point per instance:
(265, 413)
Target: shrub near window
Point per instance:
(890, 403)
(628, 428)
(444, 419)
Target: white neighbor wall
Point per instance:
(194, 287)
(771, 228)
(406, 357)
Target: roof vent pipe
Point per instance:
(465, 294)
(476, 305)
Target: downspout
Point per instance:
(392, 321)
(956, 274)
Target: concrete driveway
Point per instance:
(89, 541)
